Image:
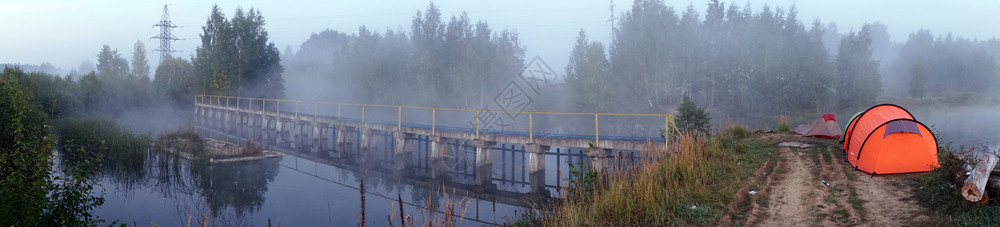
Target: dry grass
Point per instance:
(689, 183)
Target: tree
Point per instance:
(642, 54)
(174, 78)
(587, 74)
(692, 118)
(140, 66)
(110, 64)
(859, 81)
(918, 79)
(235, 57)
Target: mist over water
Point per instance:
(968, 126)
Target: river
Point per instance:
(308, 188)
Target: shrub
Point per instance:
(30, 193)
(783, 126)
(738, 132)
(692, 118)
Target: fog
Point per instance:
(749, 63)
(464, 64)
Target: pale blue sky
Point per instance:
(66, 33)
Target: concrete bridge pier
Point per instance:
(279, 130)
(265, 128)
(365, 154)
(232, 122)
(317, 144)
(342, 141)
(257, 127)
(439, 148)
(484, 162)
(211, 119)
(342, 134)
(297, 133)
(241, 124)
(366, 138)
(536, 166)
(599, 158)
(403, 150)
(223, 120)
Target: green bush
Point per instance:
(738, 132)
(30, 193)
(692, 118)
(783, 127)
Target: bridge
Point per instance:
(320, 126)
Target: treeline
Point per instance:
(235, 58)
(742, 62)
(115, 89)
(945, 66)
(453, 63)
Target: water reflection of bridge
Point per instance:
(508, 163)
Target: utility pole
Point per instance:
(612, 20)
(165, 35)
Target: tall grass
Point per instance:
(120, 147)
(689, 183)
(939, 191)
(783, 126)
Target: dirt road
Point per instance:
(817, 187)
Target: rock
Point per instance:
(798, 144)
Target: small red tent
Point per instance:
(824, 127)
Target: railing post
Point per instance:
(338, 112)
(362, 113)
(477, 124)
(433, 121)
(531, 128)
(597, 131)
(399, 118)
(666, 132)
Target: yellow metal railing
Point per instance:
(218, 100)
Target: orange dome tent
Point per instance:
(886, 139)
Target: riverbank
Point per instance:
(738, 178)
(698, 181)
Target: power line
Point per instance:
(165, 37)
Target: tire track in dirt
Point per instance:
(796, 195)
(889, 200)
(792, 197)
(840, 187)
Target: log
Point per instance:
(975, 185)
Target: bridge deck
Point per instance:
(519, 137)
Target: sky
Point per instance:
(66, 33)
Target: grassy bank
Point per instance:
(691, 183)
(939, 191)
